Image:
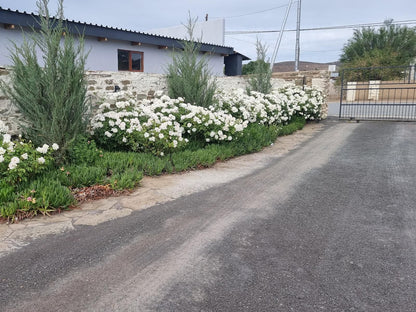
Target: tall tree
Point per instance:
(390, 45)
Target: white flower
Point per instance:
(41, 160)
(55, 146)
(24, 156)
(43, 149)
(162, 154)
(13, 162)
(161, 136)
(124, 140)
(10, 148)
(2, 151)
(1, 158)
(108, 134)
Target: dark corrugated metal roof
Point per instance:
(24, 19)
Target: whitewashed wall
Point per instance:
(103, 54)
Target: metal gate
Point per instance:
(378, 93)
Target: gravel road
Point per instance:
(331, 226)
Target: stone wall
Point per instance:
(314, 78)
(9, 115)
(143, 85)
(100, 82)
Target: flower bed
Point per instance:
(163, 125)
(146, 137)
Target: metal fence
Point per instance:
(378, 93)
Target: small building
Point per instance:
(115, 49)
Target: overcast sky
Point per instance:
(242, 15)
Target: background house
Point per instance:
(115, 49)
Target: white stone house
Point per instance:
(115, 49)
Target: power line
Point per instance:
(279, 39)
(242, 40)
(238, 32)
(256, 12)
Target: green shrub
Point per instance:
(188, 75)
(7, 192)
(51, 95)
(83, 151)
(260, 79)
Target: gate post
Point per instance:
(342, 93)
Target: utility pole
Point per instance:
(276, 48)
(297, 49)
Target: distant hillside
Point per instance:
(289, 66)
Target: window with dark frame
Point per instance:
(130, 60)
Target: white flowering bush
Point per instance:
(276, 108)
(254, 108)
(163, 125)
(306, 102)
(20, 160)
(160, 125)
